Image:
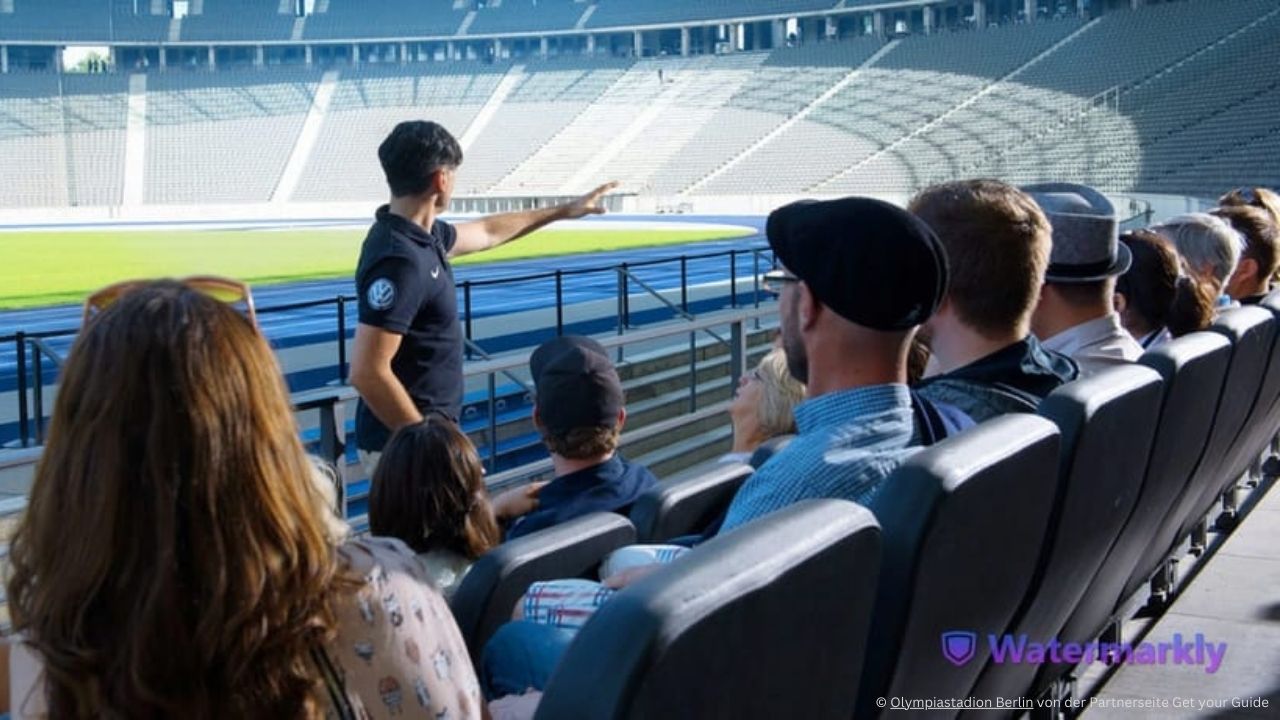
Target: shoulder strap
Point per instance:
(341, 704)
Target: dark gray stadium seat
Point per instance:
(687, 505)
(1261, 425)
(1251, 331)
(1108, 423)
(1193, 369)
(1255, 433)
(766, 621)
(1244, 371)
(962, 524)
(489, 592)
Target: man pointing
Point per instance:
(407, 358)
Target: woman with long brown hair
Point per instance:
(177, 558)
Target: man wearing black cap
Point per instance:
(857, 277)
(1076, 315)
(578, 409)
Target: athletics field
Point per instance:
(50, 267)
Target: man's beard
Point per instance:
(793, 347)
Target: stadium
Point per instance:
(1129, 512)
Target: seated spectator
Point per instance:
(1258, 197)
(578, 409)
(1155, 298)
(1210, 247)
(206, 576)
(997, 242)
(857, 277)
(428, 491)
(762, 407)
(1076, 314)
(1251, 281)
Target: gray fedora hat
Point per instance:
(1086, 233)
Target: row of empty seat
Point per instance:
(1045, 525)
(1183, 108)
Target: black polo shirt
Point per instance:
(405, 286)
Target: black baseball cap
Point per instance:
(873, 263)
(575, 384)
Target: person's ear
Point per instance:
(537, 419)
(808, 307)
(1247, 268)
(1119, 302)
(622, 418)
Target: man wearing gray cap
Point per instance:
(857, 277)
(1075, 315)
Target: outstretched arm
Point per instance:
(494, 230)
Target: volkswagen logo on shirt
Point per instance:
(381, 294)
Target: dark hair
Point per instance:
(1157, 288)
(413, 152)
(1260, 233)
(997, 241)
(428, 491)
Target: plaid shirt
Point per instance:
(848, 442)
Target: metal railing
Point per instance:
(33, 375)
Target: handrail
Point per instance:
(681, 312)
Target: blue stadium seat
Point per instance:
(963, 522)
(767, 621)
(1193, 369)
(685, 506)
(489, 592)
(1108, 425)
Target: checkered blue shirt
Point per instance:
(848, 442)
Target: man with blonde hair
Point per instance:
(998, 242)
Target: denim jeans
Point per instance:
(522, 655)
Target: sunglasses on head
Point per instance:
(225, 290)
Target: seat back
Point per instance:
(1193, 368)
(963, 521)
(487, 595)
(1261, 424)
(1107, 422)
(768, 620)
(1251, 331)
(683, 506)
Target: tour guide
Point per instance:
(407, 359)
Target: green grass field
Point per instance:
(44, 268)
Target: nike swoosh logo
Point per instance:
(435, 273)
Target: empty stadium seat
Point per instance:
(1108, 424)
(1193, 368)
(767, 621)
(962, 524)
(489, 592)
(687, 505)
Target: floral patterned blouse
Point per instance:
(398, 651)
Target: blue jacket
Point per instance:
(611, 486)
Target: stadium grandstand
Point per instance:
(1133, 513)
